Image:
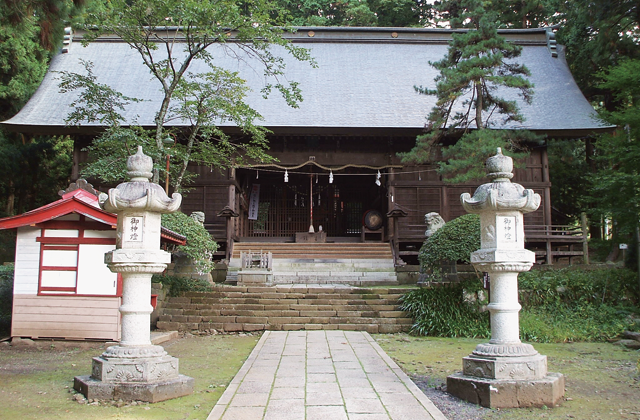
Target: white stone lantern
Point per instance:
(504, 372)
(135, 369)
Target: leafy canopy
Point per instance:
(169, 35)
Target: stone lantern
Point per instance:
(504, 372)
(135, 369)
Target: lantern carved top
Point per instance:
(500, 194)
(139, 193)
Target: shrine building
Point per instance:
(337, 164)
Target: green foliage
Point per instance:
(179, 285)
(597, 34)
(396, 13)
(509, 14)
(478, 63)
(442, 311)
(6, 297)
(200, 247)
(558, 306)
(96, 102)
(576, 305)
(464, 160)
(569, 174)
(32, 169)
(455, 242)
(615, 187)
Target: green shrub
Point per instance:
(576, 304)
(442, 311)
(577, 287)
(454, 242)
(200, 247)
(179, 285)
(570, 304)
(6, 297)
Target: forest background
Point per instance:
(596, 174)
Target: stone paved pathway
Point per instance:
(322, 375)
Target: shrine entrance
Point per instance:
(284, 208)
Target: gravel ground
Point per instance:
(453, 408)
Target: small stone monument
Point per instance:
(504, 372)
(434, 223)
(135, 369)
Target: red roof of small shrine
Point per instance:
(79, 202)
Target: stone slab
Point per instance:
(158, 337)
(149, 392)
(496, 393)
(322, 375)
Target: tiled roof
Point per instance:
(365, 79)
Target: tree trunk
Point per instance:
(595, 230)
(479, 105)
(11, 198)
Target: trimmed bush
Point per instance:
(454, 242)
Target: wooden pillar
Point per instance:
(232, 204)
(391, 222)
(547, 188)
(444, 204)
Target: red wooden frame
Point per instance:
(69, 244)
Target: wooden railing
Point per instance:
(559, 241)
(556, 232)
(549, 241)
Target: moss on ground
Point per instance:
(601, 378)
(36, 381)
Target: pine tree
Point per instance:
(478, 62)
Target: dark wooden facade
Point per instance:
(339, 206)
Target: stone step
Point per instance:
(287, 308)
(335, 259)
(320, 265)
(249, 327)
(299, 288)
(282, 298)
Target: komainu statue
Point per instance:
(434, 222)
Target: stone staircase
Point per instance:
(287, 307)
(355, 264)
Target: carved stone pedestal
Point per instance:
(508, 393)
(136, 369)
(145, 373)
(504, 373)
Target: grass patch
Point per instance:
(601, 378)
(36, 382)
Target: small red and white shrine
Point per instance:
(62, 287)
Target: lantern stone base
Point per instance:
(150, 392)
(508, 393)
(140, 373)
(501, 367)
